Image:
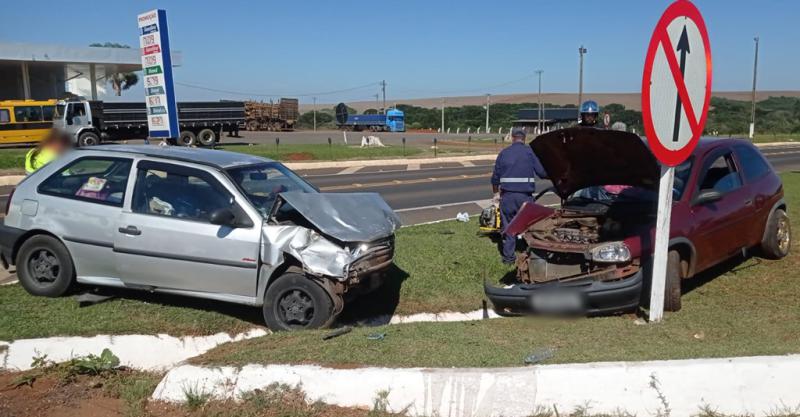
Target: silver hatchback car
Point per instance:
(202, 223)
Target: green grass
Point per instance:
(13, 158)
(322, 152)
(742, 308)
(23, 316)
(438, 267)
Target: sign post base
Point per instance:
(660, 254)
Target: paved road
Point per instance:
(336, 136)
(436, 193)
(439, 191)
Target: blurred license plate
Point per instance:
(557, 302)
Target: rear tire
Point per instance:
(88, 139)
(293, 302)
(44, 266)
(777, 236)
(672, 288)
(207, 137)
(187, 138)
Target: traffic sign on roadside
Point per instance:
(676, 86)
(676, 92)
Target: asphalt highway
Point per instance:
(435, 193)
(440, 191)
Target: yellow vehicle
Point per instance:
(23, 121)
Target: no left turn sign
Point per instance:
(676, 86)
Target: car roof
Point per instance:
(708, 143)
(218, 158)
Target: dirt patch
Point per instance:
(50, 396)
(299, 156)
(116, 394)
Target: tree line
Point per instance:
(725, 116)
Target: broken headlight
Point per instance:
(612, 252)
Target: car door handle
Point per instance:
(130, 230)
(748, 202)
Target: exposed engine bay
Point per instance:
(583, 239)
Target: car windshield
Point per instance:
(262, 183)
(613, 193)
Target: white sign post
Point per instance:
(162, 110)
(676, 92)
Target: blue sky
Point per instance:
(421, 48)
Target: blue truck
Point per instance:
(392, 121)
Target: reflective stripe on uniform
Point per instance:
(517, 180)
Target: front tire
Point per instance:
(293, 301)
(672, 288)
(777, 236)
(44, 266)
(88, 139)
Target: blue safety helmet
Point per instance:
(590, 106)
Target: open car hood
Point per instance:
(348, 217)
(580, 157)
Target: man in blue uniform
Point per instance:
(513, 184)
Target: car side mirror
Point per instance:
(223, 217)
(708, 196)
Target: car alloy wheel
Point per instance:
(783, 234)
(44, 266)
(295, 308)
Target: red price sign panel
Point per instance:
(676, 86)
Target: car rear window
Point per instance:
(753, 164)
(100, 180)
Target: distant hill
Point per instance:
(631, 101)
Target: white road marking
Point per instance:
(481, 203)
(467, 163)
(351, 170)
(412, 167)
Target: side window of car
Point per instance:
(100, 180)
(753, 164)
(4, 116)
(721, 175)
(177, 191)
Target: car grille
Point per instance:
(379, 255)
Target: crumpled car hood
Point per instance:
(348, 217)
(580, 157)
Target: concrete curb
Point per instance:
(145, 352)
(11, 179)
(385, 162)
(161, 352)
(748, 385)
(6, 180)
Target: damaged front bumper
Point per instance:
(589, 296)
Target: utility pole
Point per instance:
(315, 113)
(377, 100)
(383, 89)
(581, 51)
(487, 112)
(442, 114)
(540, 123)
(753, 99)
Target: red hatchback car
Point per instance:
(593, 253)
